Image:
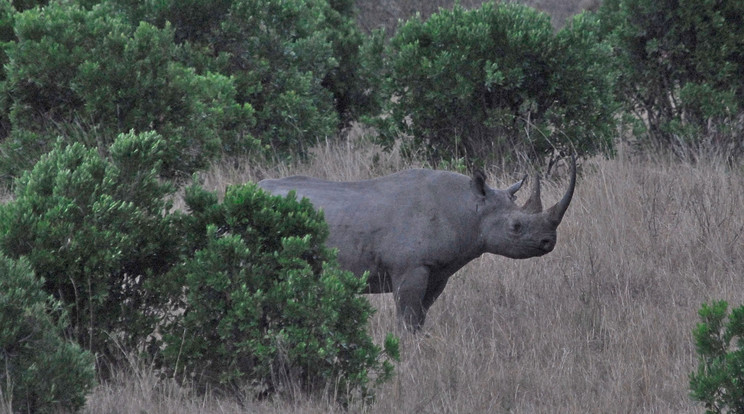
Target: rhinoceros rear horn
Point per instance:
(555, 213)
(534, 204)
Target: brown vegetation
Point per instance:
(602, 324)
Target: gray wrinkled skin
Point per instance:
(414, 229)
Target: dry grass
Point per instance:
(602, 324)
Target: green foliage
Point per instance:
(89, 69)
(7, 18)
(282, 76)
(681, 68)
(293, 61)
(355, 81)
(40, 372)
(241, 292)
(97, 231)
(720, 375)
(21, 5)
(211, 77)
(496, 81)
(265, 304)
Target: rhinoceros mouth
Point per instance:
(533, 251)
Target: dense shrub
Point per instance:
(97, 232)
(7, 20)
(279, 53)
(355, 82)
(40, 372)
(21, 5)
(720, 347)
(240, 293)
(265, 305)
(496, 81)
(89, 74)
(7, 17)
(302, 64)
(210, 77)
(681, 69)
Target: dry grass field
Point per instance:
(601, 325)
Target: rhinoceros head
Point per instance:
(519, 232)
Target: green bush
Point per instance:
(210, 77)
(720, 347)
(40, 372)
(681, 69)
(282, 74)
(240, 293)
(87, 74)
(265, 305)
(496, 81)
(302, 64)
(97, 231)
(355, 82)
(7, 17)
(21, 5)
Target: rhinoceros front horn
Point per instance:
(555, 213)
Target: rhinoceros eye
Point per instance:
(516, 227)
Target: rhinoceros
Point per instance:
(414, 229)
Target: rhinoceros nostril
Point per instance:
(546, 244)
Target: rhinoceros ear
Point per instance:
(512, 190)
(478, 183)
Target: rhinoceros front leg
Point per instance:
(409, 291)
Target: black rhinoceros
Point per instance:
(414, 229)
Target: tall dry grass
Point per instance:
(602, 324)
